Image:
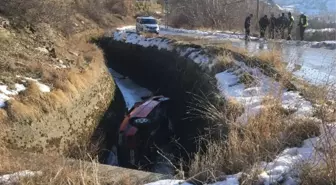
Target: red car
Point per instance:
(146, 128)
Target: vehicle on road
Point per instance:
(145, 129)
(147, 24)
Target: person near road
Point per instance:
(277, 25)
(263, 23)
(272, 26)
(303, 23)
(290, 25)
(247, 26)
(283, 24)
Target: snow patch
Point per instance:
(42, 87)
(5, 93)
(163, 43)
(252, 97)
(3, 99)
(324, 44)
(14, 178)
(320, 30)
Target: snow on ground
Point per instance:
(252, 97)
(14, 178)
(320, 30)
(282, 169)
(163, 43)
(42, 87)
(329, 44)
(7, 94)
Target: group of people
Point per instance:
(277, 26)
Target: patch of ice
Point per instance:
(14, 178)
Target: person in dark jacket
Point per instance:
(303, 23)
(263, 23)
(277, 25)
(283, 22)
(272, 26)
(290, 25)
(247, 26)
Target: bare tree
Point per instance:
(219, 14)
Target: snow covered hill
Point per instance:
(309, 7)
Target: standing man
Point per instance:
(303, 23)
(290, 25)
(247, 27)
(263, 23)
(283, 24)
(272, 26)
(277, 25)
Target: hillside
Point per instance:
(309, 7)
(54, 85)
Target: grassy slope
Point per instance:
(64, 29)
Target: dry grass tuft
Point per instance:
(18, 111)
(323, 172)
(311, 175)
(247, 79)
(224, 62)
(261, 139)
(4, 35)
(300, 130)
(272, 58)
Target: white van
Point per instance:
(147, 24)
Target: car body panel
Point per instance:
(140, 111)
(135, 142)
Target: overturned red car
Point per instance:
(144, 129)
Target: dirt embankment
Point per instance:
(55, 87)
